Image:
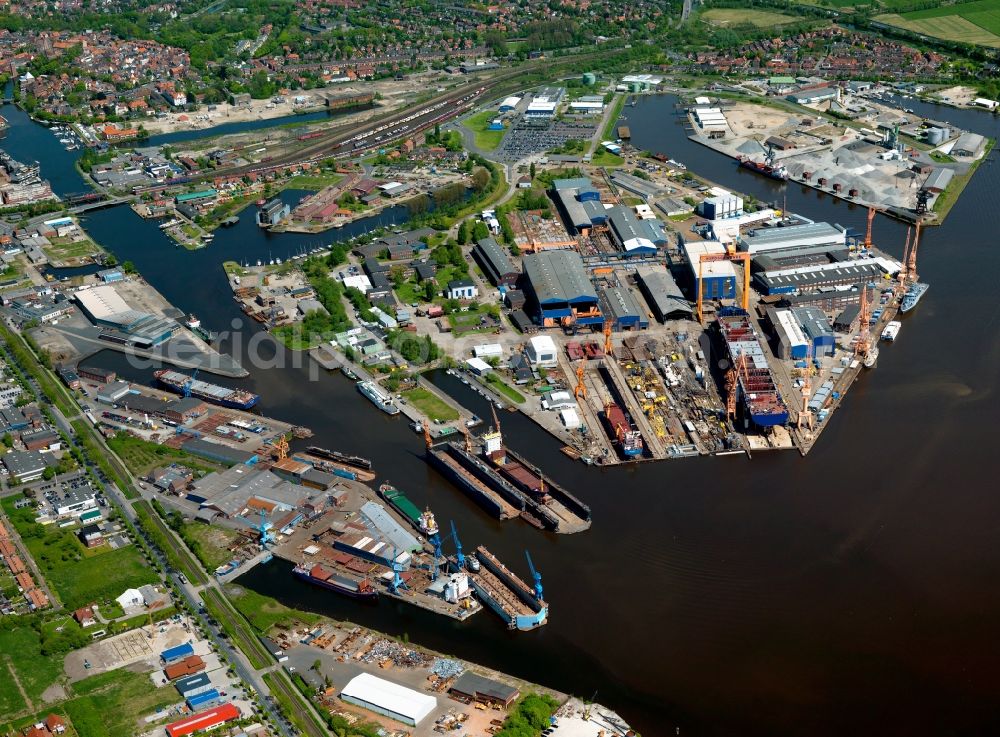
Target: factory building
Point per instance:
(203, 721)
(587, 105)
(634, 184)
(174, 654)
(620, 306)
(793, 237)
(792, 341)
(662, 294)
(634, 236)
(542, 352)
(817, 329)
(579, 203)
(389, 699)
(495, 262)
(809, 278)
(560, 290)
(484, 690)
(272, 212)
(812, 97)
(106, 308)
(938, 180)
(718, 277)
(544, 103)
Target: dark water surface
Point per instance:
(851, 592)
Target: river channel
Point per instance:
(854, 591)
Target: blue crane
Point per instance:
(397, 584)
(186, 389)
(535, 575)
(435, 540)
(459, 558)
(263, 528)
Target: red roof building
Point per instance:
(203, 721)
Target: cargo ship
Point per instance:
(768, 170)
(913, 295)
(625, 436)
(345, 458)
(755, 383)
(506, 594)
(423, 522)
(188, 385)
(378, 397)
(320, 576)
(550, 504)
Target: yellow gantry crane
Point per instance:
(729, 255)
(580, 390)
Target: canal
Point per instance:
(853, 591)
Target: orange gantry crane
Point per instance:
(580, 390)
(911, 261)
(863, 345)
(729, 255)
(868, 231)
(607, 338)
(901, 284)
(281, 448)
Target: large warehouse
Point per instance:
(106, 308)
(812, 277)
(634, 236)
(793, 237)
(718, 277)
(662, 293)
(560, 289)
(389, 699)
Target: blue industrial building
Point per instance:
(109, 276)
(718, 277)
(204, 700)
(579, 203)
(634, 236)
(176, 653)
(817, 328)
(560, 290)
(621, 307)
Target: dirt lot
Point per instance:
(747, 119)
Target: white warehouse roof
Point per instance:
(389, 698)
(511, 101)
(717, 269)
(542, 344)
(102, 302)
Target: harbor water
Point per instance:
(850, 592)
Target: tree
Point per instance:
(531, 170)
(49, 473)
(480, 179)
(8, 440)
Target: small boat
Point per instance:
(891, 330)
(912, 296)
(472, 562)
(871, 357)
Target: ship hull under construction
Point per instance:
(339, 584)
(755, 383)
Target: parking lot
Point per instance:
(526, 139)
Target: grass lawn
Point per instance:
(603, 157)
(610, 130)
(410, 292)
(735, 16)
(213, 543)
(315, 181)
(141, 456)
(236, 629)
(11, 701)
(263, 612)
(941, 158)
(64, 249)
(469, 322)
(430, 404)
(23, 647)
(113, 704)
(479, 124)
(499, 385)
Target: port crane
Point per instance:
(459, 557)
(868, 230)
(863, 346)
(580, 390)
(911, 261)
(729, 255)
(263, 528)
(607, 338)
(732, 383)
(536, 576)
(805, 416)
(281, 448)
(397, 584)
(901, 284)
(186, 389)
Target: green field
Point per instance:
(498, 385)
(79, 576)
(314, 181)
(430, 404)
(263, 612)
(211, 543)
(603, 157)
(21, 650)
(479, 124)
(736, 16)
(975, 23)
(236, 628)
(141, 456)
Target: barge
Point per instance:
(344, 458)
